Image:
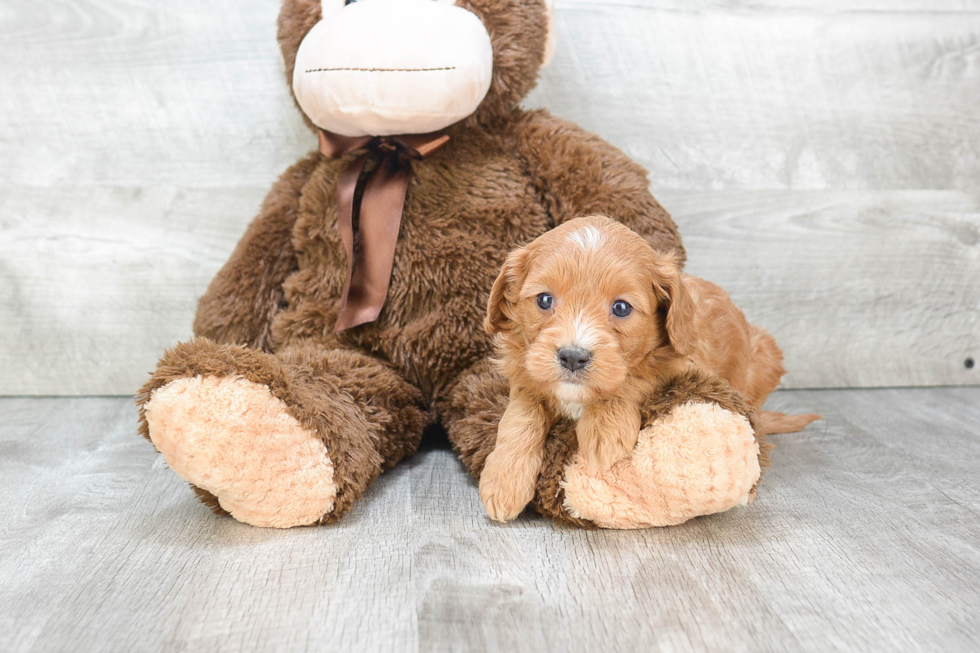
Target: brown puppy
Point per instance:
(588, 318)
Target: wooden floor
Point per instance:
(866, 536)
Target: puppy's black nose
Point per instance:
(574, 358)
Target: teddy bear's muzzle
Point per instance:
(383, 67)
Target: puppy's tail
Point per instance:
(773, 422)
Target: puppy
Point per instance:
(588, 318)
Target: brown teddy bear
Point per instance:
(349, 317)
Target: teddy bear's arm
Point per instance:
(242, 299)
(577, 174)
(699, 452)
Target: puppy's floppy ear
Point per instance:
(503, 295)
(668, 287)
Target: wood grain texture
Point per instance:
(88, 305)
(859, 288)
(865, 537)
(707, 94)
(137, 139)
(735, 95)
(143, 93)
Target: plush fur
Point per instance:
(670, 323)
(505, 177)
(681, 469)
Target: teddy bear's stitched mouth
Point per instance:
(379, 70)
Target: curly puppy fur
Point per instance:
(505, 177)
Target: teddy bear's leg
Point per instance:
(279, 440)
(698, 453)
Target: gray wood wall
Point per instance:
(822, 158)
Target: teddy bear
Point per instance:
(349, 317)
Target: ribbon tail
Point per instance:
(379, 222)
(422, 145)
(334, 146)
(346, 191)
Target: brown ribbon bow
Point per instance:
(370, 236)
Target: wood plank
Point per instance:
(870, 94)
(865, 537)
(789, 6)
(96, 282)
(861, 289)
(143, 93)
(733, 95)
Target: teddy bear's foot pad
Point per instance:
(233, 438)
(699, 459)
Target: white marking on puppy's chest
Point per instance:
(569, 397)
(572, 410)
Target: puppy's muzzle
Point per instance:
(574, 359)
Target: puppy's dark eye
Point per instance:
(546, 301)
(621, 308)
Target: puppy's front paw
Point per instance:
(503, 497)
(502, 506)
(604, 454)
(602, 446)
